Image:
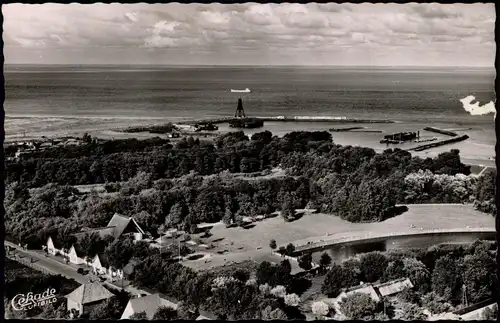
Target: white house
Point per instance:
(86, 297)
(76, 256)
(101, 266)
(54, 247)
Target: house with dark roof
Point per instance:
(86, 297)
(125, 226)
(101, 266)
(76, 255)
(55, 247)
(148, 304)
(117, 227)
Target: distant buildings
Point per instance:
(87, 297)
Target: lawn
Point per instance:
(242, 244)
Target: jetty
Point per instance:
(440, 143)
(345, 129)
(441, 131)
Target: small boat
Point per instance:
(247, 90)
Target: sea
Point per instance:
(43, 100)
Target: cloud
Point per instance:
(266, 31)
(475, 109)
(436, 11)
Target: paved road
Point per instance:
(58, 268)
(51, 265)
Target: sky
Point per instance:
(251, 34)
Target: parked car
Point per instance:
(82, 271)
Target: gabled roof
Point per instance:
(394, 287)
(89, 293)
(103, 259)
(148, 304)
(362, 289)
(120, 223)
(78, 250)
(57, 244)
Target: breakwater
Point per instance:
(291, 119)
(345, 129)
(439, 143)
(441, 131)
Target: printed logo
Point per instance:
(22, 302)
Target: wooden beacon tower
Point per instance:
(240, 112)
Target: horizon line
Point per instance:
(244, 65)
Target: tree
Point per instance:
(418, 274)
(292, 300)
(278, 291)
(358, 306)
(272, 244)
(435, 303)
(336, 279)
(372, 266)
(479, 276)
(290, 249)
(325, 260)
(320, 308)
(287, 209)
(91, 244)
(119, 252)
(165, 313)
(110, 309)
(446, 278)
(186, 311)
(395, 270)
(305, 261)
(411, 312)
(270, 314)
(139, 316)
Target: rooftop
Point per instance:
(89, 293)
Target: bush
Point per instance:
(320, 308)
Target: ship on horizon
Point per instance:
(247, 90)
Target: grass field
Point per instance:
(245, 244)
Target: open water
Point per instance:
(51, 100)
